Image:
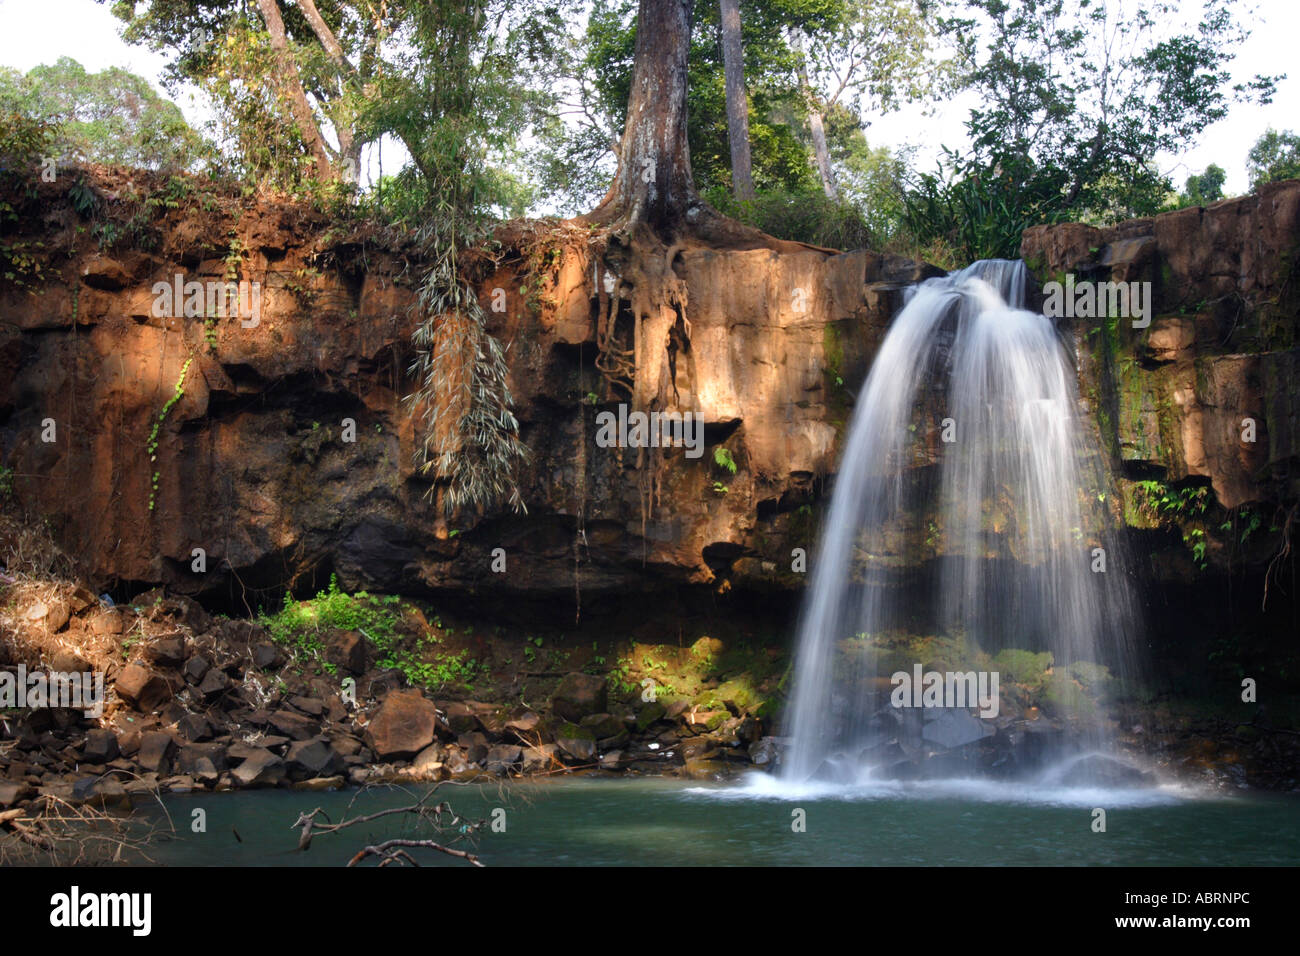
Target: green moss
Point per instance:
(1093, 677)
(1065, 698)
(1023, 667)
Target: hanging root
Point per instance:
(1274, 569)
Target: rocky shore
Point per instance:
(198, 702)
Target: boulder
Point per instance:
(195, 668)
(294, 726)
(155, 752)
(167, 651)
(953, 728)
(405, 724)
(428, 761)
(580, 695)
(602, 725)
(578, 742)
(100, 746)
(268, 656)
(311, 758)
(260, 769)
(349, 651)
(540, 759)
(142, 688)
(461, 718)
(214, 682)
(193, 727)
(503, 758)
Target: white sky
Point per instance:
(40, 31)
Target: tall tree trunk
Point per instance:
(742, 167)
(291, 89)
(820, 148)
(654, 183)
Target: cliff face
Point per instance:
(251, 464)
(1176, 400)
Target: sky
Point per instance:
(33, 32)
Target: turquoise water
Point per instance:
(667, 822)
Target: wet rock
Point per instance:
(540, 759)
(651, 712)
(602, 725)
(428, 761)
(764, 752)
(155, 752)
(578, 742)
(320, 784)
(308, 705)
(474, 746)
(260, 769)
(503, 758)
(612, 760)
(405, 724)
(11, 792)
(524, 725)
(1101, 771)
(700, 768)
(580, 695)
(311, 758)
(617, 742)
(952, 728)
(142, 688)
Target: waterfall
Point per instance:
(969, 516)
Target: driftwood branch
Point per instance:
(440, 817)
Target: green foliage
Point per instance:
(1161, 500)
(1023, 667)
(6, 481)
(801, 216)
(1077, 100)
(151, 448)
(982, 211)
(1275, 156)
(113, 116)
(1205, 188)
(722, 458)
(298, 623)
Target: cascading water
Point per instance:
(965, 458)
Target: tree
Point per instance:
(1274, 156)
(1077, 103)
(303, 87)
(1093, 93)
(1205, 188)
(113, 116)
(582, 152)
(742, 174)
(871, 57)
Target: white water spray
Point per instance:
(966, 457)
